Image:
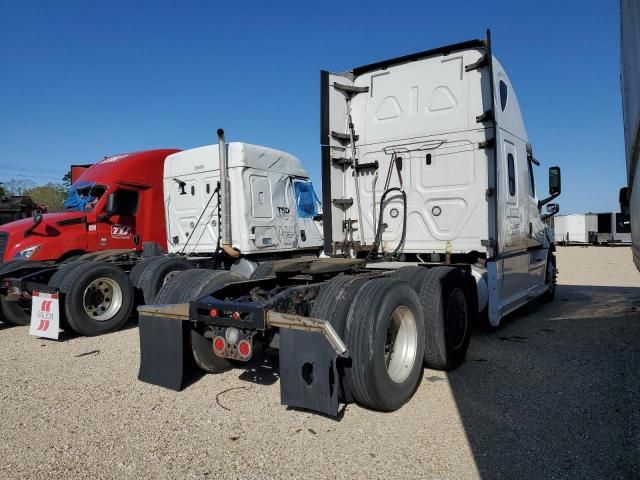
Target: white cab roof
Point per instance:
(205, 159)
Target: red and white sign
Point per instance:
(120, 231)
(45, 315)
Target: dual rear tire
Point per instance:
(149, 275)
(190, 285)
(394, 325)
(445, 303)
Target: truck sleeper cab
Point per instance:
(430, 220)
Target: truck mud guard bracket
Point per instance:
(308, 364)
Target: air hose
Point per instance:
(380, 228)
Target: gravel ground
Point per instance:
(552, 393)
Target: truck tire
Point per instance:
(332, 304)
(550, 279)
(138, 269)
(159, 272)
(446, 315)
(385, 335)
(187, 286)
(264, 270)
(17, 312)
(412, 274)
(98, 297)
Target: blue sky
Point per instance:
(80, 79)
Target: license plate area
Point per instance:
(45, 315)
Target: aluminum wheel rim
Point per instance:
(401, 344)
(102, 299)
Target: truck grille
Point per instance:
(4, 239)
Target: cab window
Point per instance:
(532, 181)
(127, 202)
(307, 202)
(511, 172)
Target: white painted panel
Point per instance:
(261, 196)
(420, 108)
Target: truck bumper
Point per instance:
(309, 353)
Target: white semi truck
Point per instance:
(431, 220)
(630, 82)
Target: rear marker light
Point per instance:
(244, 349)
(213, 313)
(235, 316)
(219, 345)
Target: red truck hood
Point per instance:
(56, 234)
(55, 220)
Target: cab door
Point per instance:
(537, 243)
(118, 230)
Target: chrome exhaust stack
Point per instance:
(225, 199)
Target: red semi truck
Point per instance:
(134, 179)
(111, 211)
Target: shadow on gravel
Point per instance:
(5, 326)
(262, 370)
(555, 393)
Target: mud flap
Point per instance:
(163, 358)
(308, 373)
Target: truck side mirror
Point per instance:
(112, 204)
(554, 187)
(624, 202)
(552, 209)
(555, 184)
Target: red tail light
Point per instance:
(213, 313)
(235, 316)
(219, 345)
(244, 349)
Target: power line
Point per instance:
(5, 166)
(24, 175)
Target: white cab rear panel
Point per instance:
(425, 111)
(263, 207)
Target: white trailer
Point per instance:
(591, 229)
(574, 228)
(431, 221)
(630, 82)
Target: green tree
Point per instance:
(66, 180)
(52, 195)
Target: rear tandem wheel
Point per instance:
(190, 285)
